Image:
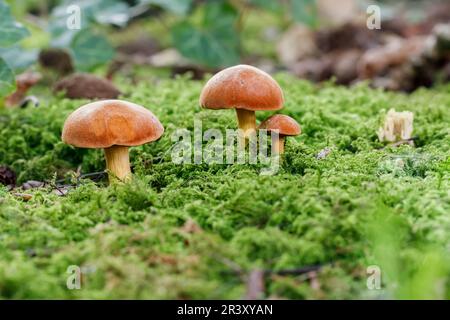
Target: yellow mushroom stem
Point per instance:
(118, 163)
(246, 122)
(278, 144)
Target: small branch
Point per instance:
(409, 141)
(98, 175)
(297, 271)
(23, 196)
(255, 285)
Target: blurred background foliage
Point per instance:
(204, 35)
(208, 32)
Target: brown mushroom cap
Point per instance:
(284, 124)
(242, 87)
(105, 123)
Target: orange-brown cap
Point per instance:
(105, 123)
(284, 124)
(242, 87)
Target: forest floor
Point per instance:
(198, 231)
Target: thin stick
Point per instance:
(296, 271)
(398, 143)
(255, 285)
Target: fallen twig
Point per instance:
(409, 141)
(95, 176)
(23, 196)
(255, 285)
(297, 271)
(58, 187)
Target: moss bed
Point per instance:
(197, 231)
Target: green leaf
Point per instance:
(180, 7)
(61, 35)
(304, 11)
(114, 12)
(11, 31)
(273, 6)
(215, 43)
(102, 11)
(18, 58)
(7, 79)
(91, 50)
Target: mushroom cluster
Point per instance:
(248, 89)
(116, 125)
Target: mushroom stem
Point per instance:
(247, 121)
(278, 144)
(118, 163)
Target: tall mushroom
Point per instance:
(285, 125)
(112, 125)
(246, 89)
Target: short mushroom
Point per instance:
(112, 125)
(285, 125)
(246, 89)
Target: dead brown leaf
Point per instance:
(7, 176)
(58, 60)
(24, 82)
(87, 86)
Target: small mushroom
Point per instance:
(285, 125)
(246, 89)
(112, 125)
(397, 126)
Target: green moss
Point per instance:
(361, 205)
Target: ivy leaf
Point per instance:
(7, 79)
(91, 50)
(304, 11)
(18, 58)
(61, 35)
(215, 43)
(11, 31)
(112, 12)
(180, 7)
(102, 11)
(116, 13)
